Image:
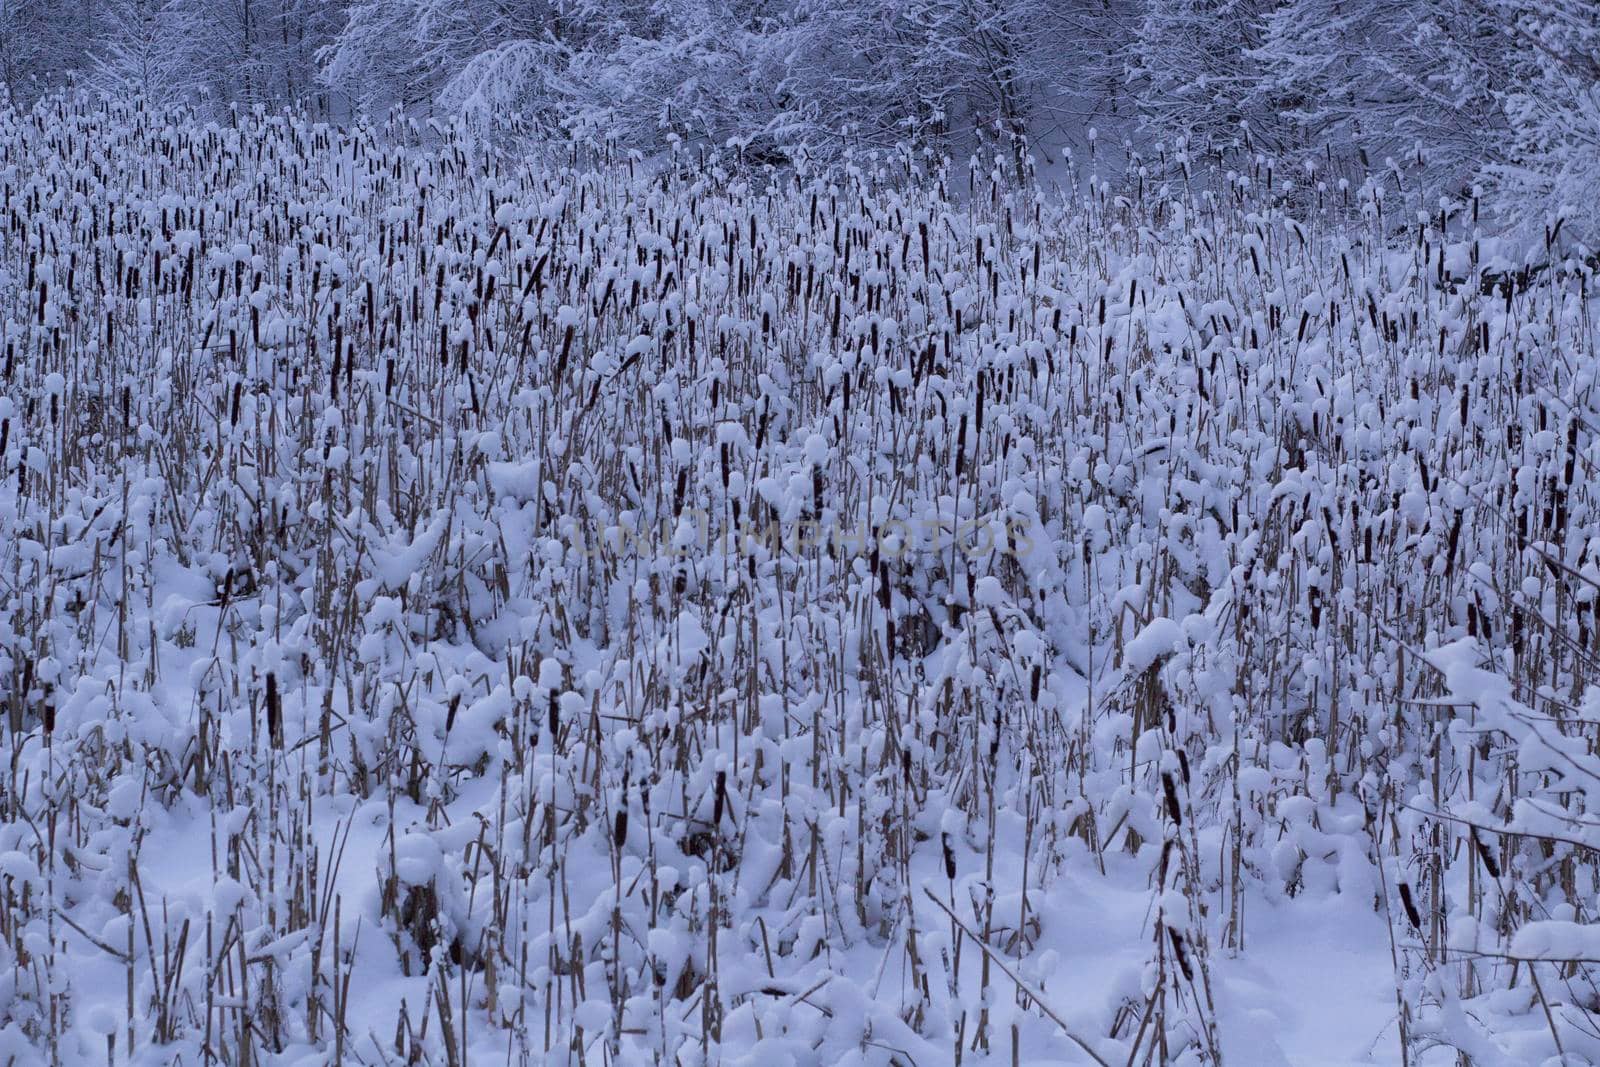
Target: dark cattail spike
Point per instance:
(274, 712)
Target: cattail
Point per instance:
(1412, 915)
(1489, 863)
(982, 377)
(619, 831)
(274, 712)
(1179, 954)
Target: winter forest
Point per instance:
(862, 533)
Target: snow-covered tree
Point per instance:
(826, 73)
(1552, 108)
(139, 52)
(1195, 73)
(497, 63)
(708, 74)
(1413, 82)
(36, 37)
(375, 59)
(222, 53)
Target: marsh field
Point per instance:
(462, 610)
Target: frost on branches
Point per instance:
(454, 610)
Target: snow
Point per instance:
(1156, 640)
(1551, 939)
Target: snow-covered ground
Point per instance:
(455, 611)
